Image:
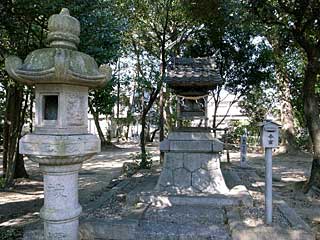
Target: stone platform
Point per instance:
(118, 215)
(170, 221)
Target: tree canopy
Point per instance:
(267, 52)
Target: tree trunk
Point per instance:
(143, 162)
(288, 133)
(130, 109)
(12, 129)
(216, 99)
(161, 117)
(309, 144)
(154, 134)
(311, 110)
(96, 121)
(145, 110)
(20, 171)
(168, 112)
(118, 110)
(127, 132)
(147, 134)
(6, 136)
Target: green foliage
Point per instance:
(101, 36)
(24, 23)
(295, 63)
(2, 182)
(144, 162)
(10, 233)
(103, 99)
(292, 27)
(257, 103)
(302, 138)
(238, 128)
(242, 54)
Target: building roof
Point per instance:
(198, 71)
(192, 75)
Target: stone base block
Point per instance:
(61, 230)
(237, 196)
(191, 173)
(59, 149)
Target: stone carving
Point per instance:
(57, 190)
(75, 109)
(57, 236)
(50, 145)
(49, 148)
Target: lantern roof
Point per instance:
(60, 63)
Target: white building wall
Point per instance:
(230, 113)
(92, 126)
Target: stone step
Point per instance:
(185, 215)
(167, 223)
(147, 185)
(216, 200)
(151, 230)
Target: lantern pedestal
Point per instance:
(61, 209)
(60, 159)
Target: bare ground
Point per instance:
(21, 205)
(290, 173)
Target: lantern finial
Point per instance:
(64, 30)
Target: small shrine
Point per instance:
(192, 155)
(191, 79)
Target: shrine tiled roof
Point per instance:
(192, 72)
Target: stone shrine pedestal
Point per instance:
(191, 164)
(191, 174)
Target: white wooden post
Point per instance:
(269, 139)
(268, 186)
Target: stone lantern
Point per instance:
(60, 143)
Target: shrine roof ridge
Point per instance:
(196, 70)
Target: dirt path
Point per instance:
(21, 205)
(289, 171)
